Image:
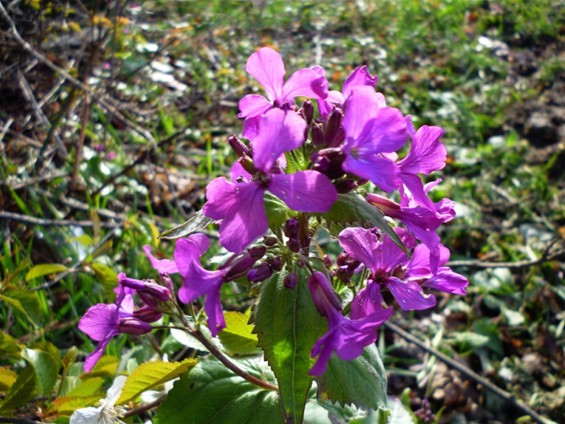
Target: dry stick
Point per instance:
(144, 408)
(80, 144)
(52, 222)
(469, 373)
(105, 103)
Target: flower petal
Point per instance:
(163, 266)
(99, 321)
(409, 295)
(253, 105)
(267, 66)
(97, 353)
(380, 171)
(307, 83)
(241, 208)
(304, 191)
(427, 154)
(279, 131)
(362, 244)
(358, 78)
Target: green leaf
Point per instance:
(213, 394)
(46, 369)
(350, 209)
(288, 325)
(296, 161)
(361, 382)
(238, 337)
(108, 277)
(21, 391)
(470, 340)
(152, 374)
(90, 387)
(195, 224)
(277, 212)
(29, 301)
(44, 269)
(66, 405)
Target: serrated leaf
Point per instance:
(90, 387)
(108, 277)
(107, 366)
(46, 369)
(288, 325)
(197, 223)
(7, 378)
(45, 269)
(350, 209)
(152, 374)
(277, 212)
(238, 337)
(21, 391)
(361, 382)
(213, 394)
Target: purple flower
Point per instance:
(390, 267)
(102, 322)
(163, 266)
(373, 132)
(267, 67)
(358, 78)
(426, 155)
(199, 281)
(240, 203)
(346, 337)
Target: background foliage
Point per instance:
(115, 114)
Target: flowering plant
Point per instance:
(308, 171)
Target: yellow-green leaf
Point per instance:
(21, 391)
(238, 337)
(152, 374)
(17, 305)
(108, 277)
(68, 404)
(7, 378)
(44, 269)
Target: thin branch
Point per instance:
(144, 408)
(468, 372)
(54, 222)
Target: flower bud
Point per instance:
(318, 137)
(239, 147)
(291, 228)
(133, 326)
(257, 252)
(293, 244)
(240, 267)
(308, 111)
(260, 273)
(275, 263)
(147, 314)
(290, 280)
(325, 298)
(270, 240)
(332, 128)
(145, 287)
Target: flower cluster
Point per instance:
(308, 156)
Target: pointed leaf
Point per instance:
(17, 305)
(21, 391)
(288, 325)
(361, 381)
(238, 337)
(152, 374)
(9, 345)
(44, 269)
(213, 394)
(277, 212)
(66, 405)
(350, 209)
(195, 224)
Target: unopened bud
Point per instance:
(345, 186)
(147, 314)
(257, 252)
(291, 228)
(290, 280)
(132, 325)
(332, 127)
(240, 267)
(328, 261)
(167, 281)
(260, 273)
(318, 135)
(270, 240)
(247, 164)
(238, 146)
(145, 287)
(293, 244)
(275, 263)
(325, 298)
(308, 111)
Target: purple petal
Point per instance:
(100, 321)
(251, 127)
(363, 245)
(385, 133)
(447, 281)
(241, 208)
(418, 194)
(367, 302)
(304, 191)
(267, 66)
(279, 132)
(238, 172)
(427, 154)
(96, 354)
(419, 265)
(360, 107)
(409, 295)
(213, 308)
(358, 78)
(163, 266)
(253, 105)
(381, 171)
(305, 83)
